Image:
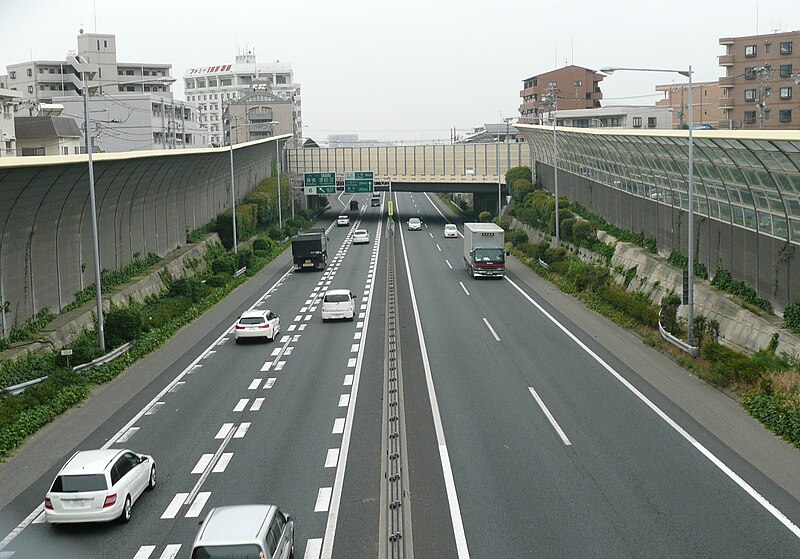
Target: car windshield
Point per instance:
(489, 254)
(251, 320)
(450, 227)
(246, 551)
(79, 483)
(413, 221)
(337, 298)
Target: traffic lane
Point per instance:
(358, 522)
(155, 451)
(518, 326)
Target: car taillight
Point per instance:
(110, 500)
(239, 327)
(264, 326)
(48, 504)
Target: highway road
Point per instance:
(530, 428)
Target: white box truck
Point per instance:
(484, 249)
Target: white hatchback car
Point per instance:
(98, 486)
(257, 324)
(414, 224)
(360, 236)
(342, 220)
(450, 230)
(338, 303)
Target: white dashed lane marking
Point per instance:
(198, 504)
(202, 464)
(224, 430)
(241, 431)
(254, 384)
(269, 383)
(332, 458)
(338, 426)
(175, 505)
(241, 404)
(344, 399)
(257, 403)
(348, 380)
(221, 464)
(323, 499)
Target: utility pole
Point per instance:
(553, 102)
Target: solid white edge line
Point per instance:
(489, 326)
(435, 207)
(336, 497)
(449, 481)
(463, 287)
(550, 417)
(760, 499)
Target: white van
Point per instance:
(338, 303)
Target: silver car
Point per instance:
(414, 224)
(98, 486)
(245, 532)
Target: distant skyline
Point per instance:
(410, 71)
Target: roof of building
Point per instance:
(563, 68)
(10, 93)
(40, 127)
(259, 97)
(609, 111)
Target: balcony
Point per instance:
(726, 103)
(727, 60)
(727, 81)
(727, 41)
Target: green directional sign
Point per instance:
(364, 175)
(315, 190)
(358, 185)
(321, 179)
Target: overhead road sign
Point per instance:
(320, 179)
(312, 190)
(354, 175)
(354, 186)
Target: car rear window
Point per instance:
(361, 232)
(246, 551)
(337, 298)
(80, 483)
(251, 320)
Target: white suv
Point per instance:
(257, 324)
(98, 486)
(338, 303)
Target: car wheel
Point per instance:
(152, 483)
(126, 510)
(324, 320)
(237, 340)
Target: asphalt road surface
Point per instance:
(533, 428)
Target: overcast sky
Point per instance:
(405, 70)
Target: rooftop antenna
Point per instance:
(756, 18)
(572, 48)
(94, 9)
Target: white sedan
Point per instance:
(414, 224)
(360, 236)
(257, 324)
(342, 220)
(450, 230)
(98, 486)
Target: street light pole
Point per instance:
(233, 193)
(101, 341)
(690, 272)
(278, 155)
(555, 167)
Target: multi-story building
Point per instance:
(42, 80)
(143, 121)
(705, 101)
(258, 115)
(622, 116)
(213, 87)
(8, 138)
(574, 87)
(761, 81)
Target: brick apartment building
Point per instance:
(761, 85)
(705, 101)
(575, 88)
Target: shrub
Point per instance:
(263, 243)
(724, 281)
(583, 233)
(243, 258)
(485, 217)
(634, 305)
(217, 280)
(123, 324)
(517, 236)
(246, 223)
(503, 222)
(791, 317)
(669, 310)
(225, 264)
(276, 234)
(520, 188)
(190, 287)
(554, 255)
(202, 232)
(566, 228)
(516, 173)
(267, 206)
(529, 249)
(289, 231)
(32, 326)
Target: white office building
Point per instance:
(8, 139)
(143, 121)
(212, 87)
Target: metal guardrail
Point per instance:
(240, 271)
(110, 356)
(677, 342)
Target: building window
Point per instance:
(552, 84)
(212, 82)
(29, 72)
(750, 51)
(786, 93)
(652, 122)
(225, 81)
(785, 115)
(65, 151)
(130, 88)
(786, 70)
(41, 70)
(637, 122)
(105, 45)
(577, 83)
(749, 117)
(128, 72)
(12, 75)
(146, 72)
(749, 94)
(749, 73)
(786, 47)
(30, 89)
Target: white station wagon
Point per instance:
(98, 486)
(264, 325)
(338, 303)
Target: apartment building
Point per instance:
(42, 80)
(214, 87)
(575, 87)
(621, 116)
(705, 103)
(258, 115)
(761, 85)
(8, 138)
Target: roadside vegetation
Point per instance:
(767, 384)
(149, 324)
